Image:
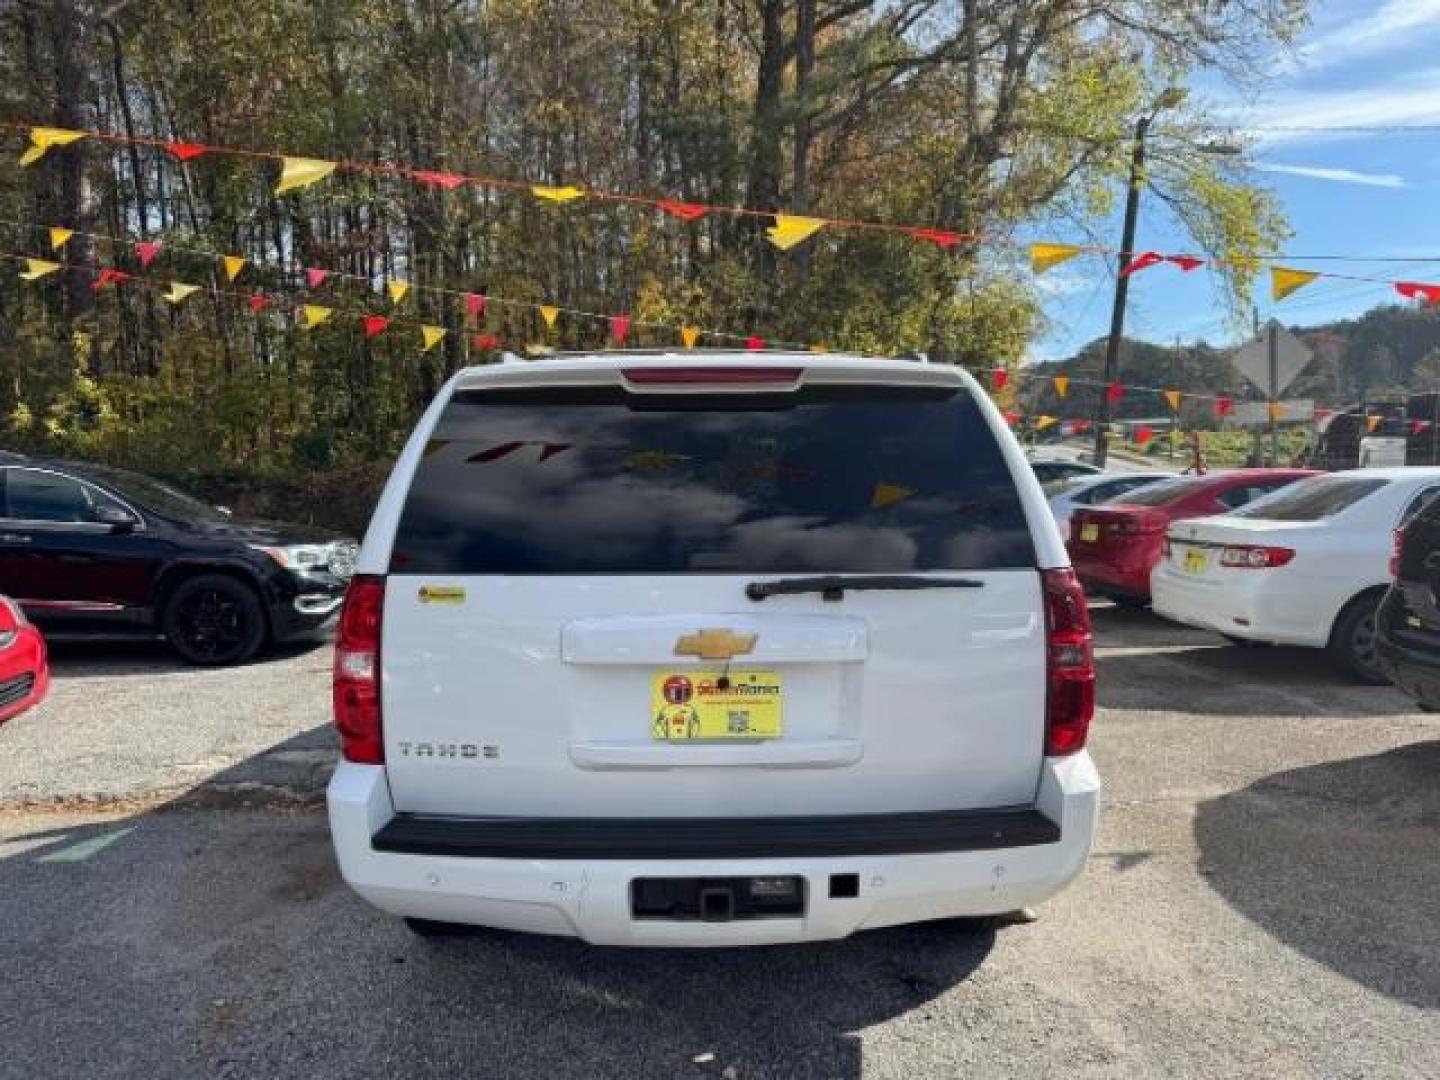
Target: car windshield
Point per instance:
(1314, 499)
(827, 478)
(1163, 493)
(150, 494)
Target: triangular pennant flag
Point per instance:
(888, 495)
(1372, 422)
(179, 291)
(689, 335)
(315, 277)
(1414, 290)
(685, 211)
(233, 265)
(312, 315)
(38, 268)
(259, 302)
(1284, 281)
(1172, 398)
(475, 305)
(448, 181)
(299, 172)
(557, 194)
(430, 337)
(1043, 422)
(1048, 256)
(1011, 418)
(59, 237)
(1185, 263)
(397, 290)
(549, 313)
(1141, 261)
(550, 449)
(1275, 411)
(1143, 435)
(145, 251)
(998, 378)
(374, 324)
(184, 151)
(619, 328)
(1061, 384)
(1079, 427)
(108, 275)
(1114, 392)
(43, 138)
(790, 229)
(942, 237)
(754, 343)
(1224, 406)
(485, 342)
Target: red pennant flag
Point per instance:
(620, 328)
(1081, 427)
(1141, 261)
(1185, 262)
(184, 151)
(375, 324)
(258, 303)
(448, 181)
(475, 304)
(1143, 435)
(1114, 392)
(496, 452)
(1419, 427)
(685, 211)
(145, 251)
(754, 343)
(1011, 418)
(1224, 406)
(943, 237)
(550, 449)
(108, 275)
(1414, 290)
(314, 277)
(998, 378)
(485, 342)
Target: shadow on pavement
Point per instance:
(121, 657)
(1338, 861)
(209, 938)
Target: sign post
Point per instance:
(1271, 362)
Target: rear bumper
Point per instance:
(909, 869)
(1259, 612)
(1409, 658)
(1125, 572)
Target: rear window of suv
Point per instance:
(822, 479)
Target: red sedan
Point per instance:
(1114, 546)
(24, 674)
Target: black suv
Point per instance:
(1407, 640)
(93, 550)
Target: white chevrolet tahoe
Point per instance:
(711, 649)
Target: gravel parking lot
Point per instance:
(1263, 900)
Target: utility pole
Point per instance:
(1122, 290)
(1272, 345)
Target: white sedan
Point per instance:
(1069, 494)
(1305, 566)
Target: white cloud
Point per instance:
(1403, 100)
(1393, 24)
(1064, 282)
(1340, 176)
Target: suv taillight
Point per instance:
(356, 682)
(1070, 663)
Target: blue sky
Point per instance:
(1361, 63)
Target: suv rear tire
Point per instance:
(214, 619)
(1352, 641)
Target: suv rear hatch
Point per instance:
(574, 621)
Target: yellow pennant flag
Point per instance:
(1284, 281)
(887, 494)
(1043, 422)
(1372, 422)
(38, 268)
(430, 336)
(179, 291)
(1061, 384)
(689, 335)
(549, 314)
(43, 138)
(790, 229)
(1048, 256)
(820, 347)
(397, 290)
(233, 265)
(557, 194)
(312, 315)
(1275, 411)
(1172, 398)
(59, 237)
(299, 172)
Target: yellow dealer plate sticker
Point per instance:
(1196, 561)
(713, 706)
(442, 594)
(1089, 533)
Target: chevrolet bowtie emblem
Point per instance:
(720, 644)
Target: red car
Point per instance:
(1114, 546)
(24, 675)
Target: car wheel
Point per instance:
(214, 619)
(432, 928)
(1352, 642)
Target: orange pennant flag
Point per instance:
(43, 138)
(1043, 422)
(791, 229)
(397, 290)
(689, 335)
(298, 172)
(1372, 422)
(312, 315)
(59, 237)
(233, 265)
(1275, 411)
(888, 494)
(430, 336)
(1048, 256)
(557, 194)
(179, 291)
(1062, 384)
(38, 268)
(549, 313)
(1284, 281)
(1172, 398)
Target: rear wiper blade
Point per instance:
(833, 586)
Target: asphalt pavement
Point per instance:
(1263, 901)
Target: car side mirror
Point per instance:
(119, 519)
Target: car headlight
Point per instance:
(298, 556)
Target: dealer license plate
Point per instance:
(1089, 533)
(1196, 562)
(694, 706)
